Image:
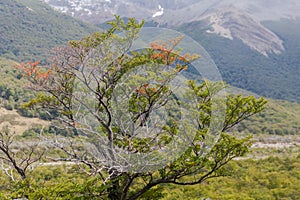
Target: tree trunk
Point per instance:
(114, 191)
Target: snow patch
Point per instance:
(30, 9)
(62, 9)
(88, 11)
(78, 8)
(159, 13)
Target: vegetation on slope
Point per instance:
(14, 92)
(280, 118)
(271, 178)
(30, 28)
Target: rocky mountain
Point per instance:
(227, 18)
(98, 11)
(231, 23)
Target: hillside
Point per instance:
(170, 11)
(13, 90)
(228, 18)
(275, 76)
(280, 117)
(30, 28)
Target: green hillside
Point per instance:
(280, 118)
(14, 90)
(30, 28)
(12, 86)
(265, 179)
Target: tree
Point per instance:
(124, 118)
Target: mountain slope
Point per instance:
(98, 11)
(231, 23)
(29, 28)
(279, 118)
(228, 18)
(276, 76)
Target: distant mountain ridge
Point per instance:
(228, 18)
(261, 10)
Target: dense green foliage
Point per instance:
(53, 182)
(30, 28)
(276, 76)
(266, 179)
(12, 84)
(271, 178)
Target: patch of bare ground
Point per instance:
(18, 123)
